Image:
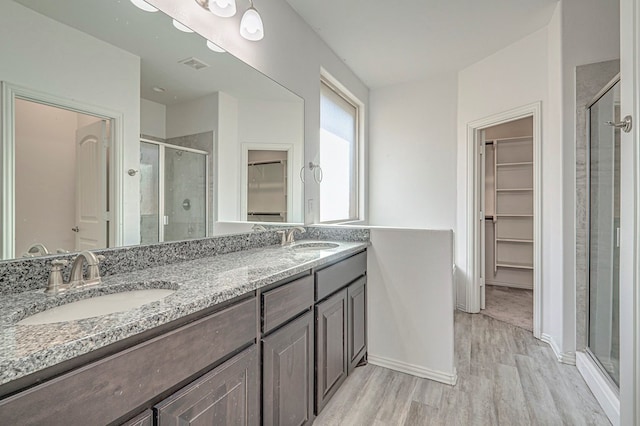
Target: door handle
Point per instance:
(625, 125)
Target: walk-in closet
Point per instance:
(508, 217)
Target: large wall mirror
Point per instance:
(121, 127)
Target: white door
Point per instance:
(629, 215)
(91, 186)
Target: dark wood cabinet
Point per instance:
(287, 374)
(228, 395)
(144, 419)
(356, 322)
(331, 347)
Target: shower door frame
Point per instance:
(605, 374)
(161, 186)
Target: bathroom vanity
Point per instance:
(261, 336)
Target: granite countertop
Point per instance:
(199, 284)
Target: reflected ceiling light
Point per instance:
(222, 8)
(215, 47)
(180, 26)
(141, 4)
(251, 26)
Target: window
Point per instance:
(338, 156)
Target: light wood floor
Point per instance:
(505, 377)
(511, 305)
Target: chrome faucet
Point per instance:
(56, 282)
(288, 235)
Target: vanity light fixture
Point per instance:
(221, 8)
(215, 47)
(251, 27)
(141, 4)
(182, 27)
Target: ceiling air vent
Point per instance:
(194, 63)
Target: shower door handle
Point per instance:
(625, 125)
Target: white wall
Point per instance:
(410, 302)
(590, 33)
(228, 170)
(105, 76)
(512, 77)
(291, 53)
(153, 119)
(45, 182)
(193, 117)
(272, 122)
(412, 154)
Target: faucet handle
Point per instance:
(55, 284)
(59, 263)
(283, 236)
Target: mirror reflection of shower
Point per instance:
(173, 192)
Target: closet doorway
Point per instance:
(504, 216)
(507, 171)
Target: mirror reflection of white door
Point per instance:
(91, 186)
(483, 229)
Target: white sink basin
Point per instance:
(315, 246)
(97, 306)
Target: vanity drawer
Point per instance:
(106, 390)
(336, 276)
(285, 302)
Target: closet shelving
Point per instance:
(509, 209)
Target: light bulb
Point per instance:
(251, 26)
(180, 26)
(141, 4)
(223, 8)
(215, 47)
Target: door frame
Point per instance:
(473, 201)
(8, 94)
(630, 214)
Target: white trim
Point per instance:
(563, 357)
(9, 93)
(601, 387)
(414, 370)
(473, 288)
(244, 159)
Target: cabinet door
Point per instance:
(228, 395)
(144, 419)
(287, 374)
(357, 322)
(331, 347)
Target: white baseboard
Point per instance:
(414, 370)
(563, 357)
(602, 389)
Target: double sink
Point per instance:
(100, 305)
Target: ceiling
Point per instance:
(387, 42)
(161, 47)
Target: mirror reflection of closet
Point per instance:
(267, 186)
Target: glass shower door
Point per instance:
(149, 193)
(185, 194)
(604, 233)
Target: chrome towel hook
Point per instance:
(625, 125)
